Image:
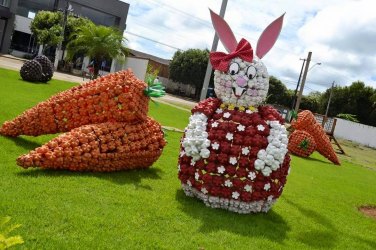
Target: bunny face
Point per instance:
(244, 84)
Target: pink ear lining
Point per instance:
(269, 37)
(224, 32)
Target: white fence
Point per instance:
(360, 133)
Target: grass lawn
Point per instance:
(146, 209)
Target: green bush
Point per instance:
(5, 240)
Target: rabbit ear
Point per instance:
(224, 32)
(269, 37)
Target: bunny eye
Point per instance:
(251, 72)
(234, 68)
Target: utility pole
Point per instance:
(330, 98)
(303, 82)
(297, 85)
(60, 44)
(209, 68)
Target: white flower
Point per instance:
(197, 176)
(189, 183)
(218, 111)
(248, 188)
(270, 197)
(245, 151)
(229, 136)
(228, 183)
(241, 127)
(227, 115)
(179, 168)
(205, 153)
(267, 186)
(252, 175)
(233, 160)
(235, 195)
(193, 162)
(215, 145)
(259, 164)
(260, 127)
(214, 124)
(182, 153)
(249, 111)
(266, 171)
(221, 169)
(261, 154)
(203, 190)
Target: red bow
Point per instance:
(220, 60)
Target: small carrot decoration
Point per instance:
(306, 122)
(301, 143)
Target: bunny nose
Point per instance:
(241, 81)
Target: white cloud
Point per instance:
(340, 33)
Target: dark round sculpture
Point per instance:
(40, 69)
(47, 67)
(31, 71)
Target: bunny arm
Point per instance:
(195, 142)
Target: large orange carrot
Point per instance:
(301, 143)
(114, 97)
(102, 147)
(306, 121)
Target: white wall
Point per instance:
(23, 24)
(360, 133)
(137, 65)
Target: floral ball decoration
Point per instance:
(106, 125)
(306, 122)
(234, 152)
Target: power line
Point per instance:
(147, 38)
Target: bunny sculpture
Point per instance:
(234, 152)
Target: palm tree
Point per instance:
(99, 43)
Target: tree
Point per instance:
(189, 67)
(356, 99)
(278, 93)
(98, 42)
(311, 101)
(46, 27)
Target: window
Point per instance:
(4, 3)
(25, 7)
(24, 42)
(98, 17)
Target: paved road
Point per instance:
(13, 63)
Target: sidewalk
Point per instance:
(15, 63)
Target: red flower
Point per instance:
(207, 178)
(246, 196)
(243, 161)
(235, 150)
(241, 172)
(217, 180)
(238, 184)
(211, 167)
(238, 138)
(230, 170)
(223, 158)
(225, 147)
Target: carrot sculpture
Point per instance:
(114, 97)
(301, 143)
(307, 122)
(108, 126)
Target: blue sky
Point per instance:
(340, 33)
